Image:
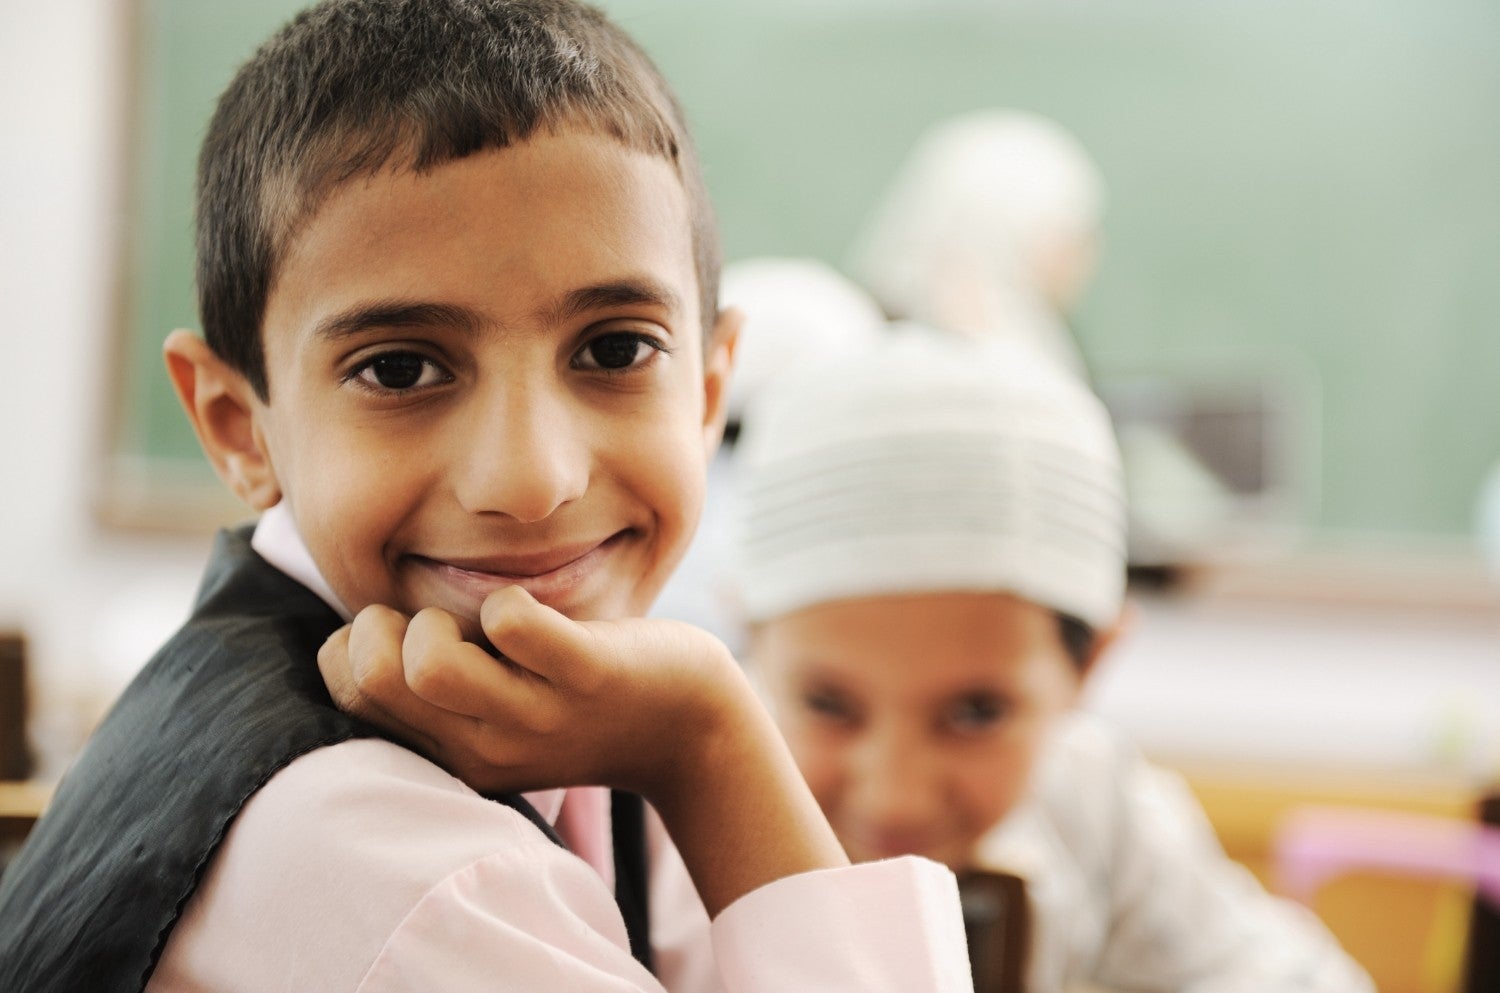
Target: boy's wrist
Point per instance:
(734, 802)
(713, 728)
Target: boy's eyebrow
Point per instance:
(397, 314)
(639, 290)
(634, 290)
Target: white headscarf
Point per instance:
(965, 235)
(930, 463)
(796, 310)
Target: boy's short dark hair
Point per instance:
(349, 87)
(1078, 639)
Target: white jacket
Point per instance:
(1130, 890)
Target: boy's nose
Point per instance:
(526, 456)
(894, 785)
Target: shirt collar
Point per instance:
(277, 541)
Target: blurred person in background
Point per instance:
(990, 228)
(932, 558)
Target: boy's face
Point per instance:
(493, 373)
(917, 720)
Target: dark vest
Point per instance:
(231, 699)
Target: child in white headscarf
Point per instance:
(932, 555)
(990, 228)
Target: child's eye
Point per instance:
(975, 712)
(617, 351)
(399, 371)
(830, 706)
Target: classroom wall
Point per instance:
(56, 134)
(88, 601)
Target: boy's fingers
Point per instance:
(533, 635)
(449, 672)
(360, 662)
(333, 663)
(374, 649)
(493, 709)
(361, 665)
(418, 680)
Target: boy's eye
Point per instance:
(830, 706)
(400, 371)
(618, 350)
(974, 712)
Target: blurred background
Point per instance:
(1298, 283)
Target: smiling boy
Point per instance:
(457, 275)
(513, 403)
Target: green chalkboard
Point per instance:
(1302, 188)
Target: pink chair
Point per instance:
(1315, 844)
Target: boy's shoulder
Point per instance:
(230, 716)
(1091, 765)
(237, 684)
(230, 699)
(369, 847)
(1089, 745)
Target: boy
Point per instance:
(457, 276)
(932, 555)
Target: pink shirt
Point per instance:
(364, 867)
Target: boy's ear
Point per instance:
(718, 363)
(224, 411)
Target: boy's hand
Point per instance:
(568, 704)
(657, 707)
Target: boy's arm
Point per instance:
(656, 707)
(363, 867)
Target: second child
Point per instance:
(932, 556)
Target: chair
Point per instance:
(1317, 844)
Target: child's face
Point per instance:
(493, 373)
(917, 720)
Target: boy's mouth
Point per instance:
(554, 576)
